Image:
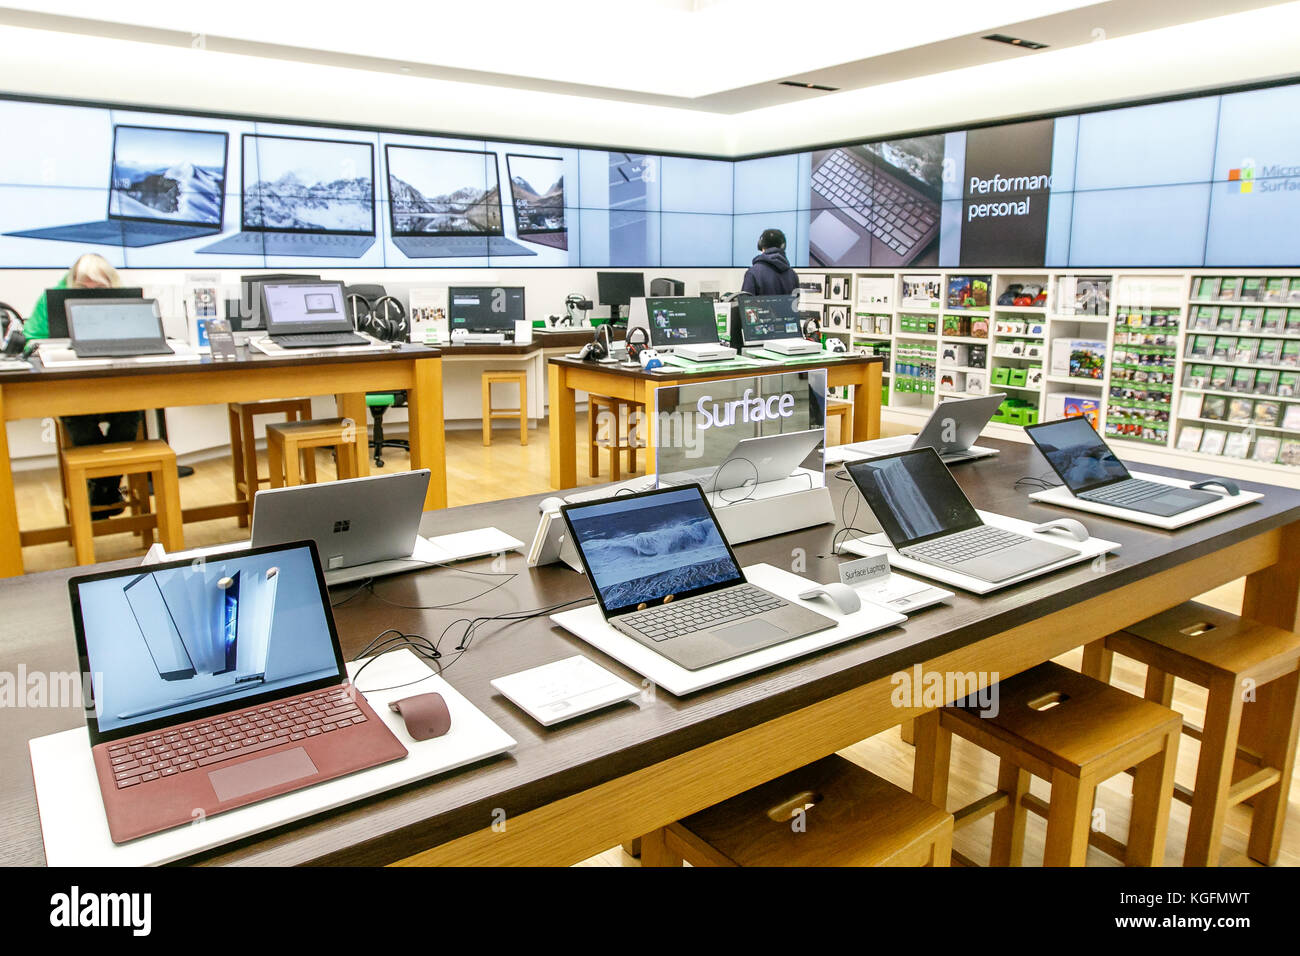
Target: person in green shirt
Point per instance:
(91, 271)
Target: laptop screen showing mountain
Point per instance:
(446, 203)
(537, 190)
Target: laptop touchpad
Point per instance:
(242, 779)
(749, 633)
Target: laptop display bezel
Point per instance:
(1078, 489)
(243, 187)
(145, 726)
(460, 234)
(340, 324)
(221, 193)
(901, 543)
(521, 232)
(631, 608)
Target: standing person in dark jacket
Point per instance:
(770, 273)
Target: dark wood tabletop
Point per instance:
(710, 369)
(549, 764)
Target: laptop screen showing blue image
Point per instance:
(175, 175)
(162, 643)
(641, 549)
(1078, 455)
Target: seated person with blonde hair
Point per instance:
(91, 271)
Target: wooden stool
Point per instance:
(502, 377)
(1232, 658)
(136, 459)
(839, 408)
(286, 440)
(829, 813)
(599, 406)
(137, 494)
(1074, 732)
(243, 443)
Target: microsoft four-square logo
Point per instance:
(341, 526)
(1242, 179)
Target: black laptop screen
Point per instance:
(168, 643)
(1077, 454)
(650, 548)
(914, 496)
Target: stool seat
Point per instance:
(1206, 642)
(135, 459)
(109, 459)
(851, 817)
(285, 441)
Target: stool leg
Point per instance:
(308, 465)
(1153, 792)
(275, 460)
(933, 756)
(1160, 687)
(251, 481)
(615, 459)
(167, 489)
(1281, 699)
(487, 413)
(1098, 661)
(633, 431)
(1069, 816)
(343, 458)
(292, 475)
(655, 850)
(1009, 822)
(237, 463)
(593, 450)
(523, 411)
(1213, 773)
(138, 488)
(83, 534)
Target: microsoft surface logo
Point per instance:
(342, 526)
(1243, 178)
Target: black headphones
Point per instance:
(599, 348)
(637, 341)
(384, 318)
(12, 339)
(775, 237)
(811, 329)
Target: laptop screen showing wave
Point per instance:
(642, 550)
(159, 644)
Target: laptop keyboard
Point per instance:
(119, 348)
(895, 215)
(308, 340)
(710, 610)
(188, 747)
(1126, 492)
(966, 545)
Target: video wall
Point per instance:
(1208, 181)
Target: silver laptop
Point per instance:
(752, 462)
(116, 328)
(926, 516)
(363, 527)
(951, 430)
(665, 576)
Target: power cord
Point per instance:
(1041, 482)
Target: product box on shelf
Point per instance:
(1079, 358)
(968, 292)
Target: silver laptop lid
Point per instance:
(956, 424)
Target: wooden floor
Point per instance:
(507, 470)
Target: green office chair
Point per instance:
(374, 312)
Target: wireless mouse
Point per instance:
(841, 595)
(426, 715)
(1074, 529)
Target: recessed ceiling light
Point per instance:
(1016, 41)
(810, 86)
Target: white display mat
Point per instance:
(589, 624)
(75, 829)
(1087, 550)
(839, 454)
(1062, 497)
(267, 346)
(564, 689)
(67, 358)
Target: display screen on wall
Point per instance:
(1203, 181)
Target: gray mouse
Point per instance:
(841, 595)
(1074, 529)
(426, 715)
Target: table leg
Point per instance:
(11, 549)
(428, 444)
(866, 405)
(564, 440)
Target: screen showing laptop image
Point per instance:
(485, 308)
(681, 321)
(537, 188)
(665, 576)
(304, 197)
(123, 328)
(307, 314)
(1087, 466)
(445, 203)
(216, 684)
(925, 515)
(768, 318)
(56, 298)
(164, 185)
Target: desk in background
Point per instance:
(570, 376)
(579, 788)
(43, 393)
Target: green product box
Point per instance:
(1000, 375)
(1025, 415)
(1018, 377)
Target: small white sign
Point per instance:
(864, 570)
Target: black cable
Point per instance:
(1042, 482)
(508, 575)
(365, 583)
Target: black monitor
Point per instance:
(250, 305)
(681, 321)
(485, 308)
(58, 314)
(617, 289)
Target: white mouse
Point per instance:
(841, 595)
(1074, 529)
(550, 504)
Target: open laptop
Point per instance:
(304, 197)
(216, 684)
(115, 328)
(445, 203)
(665, 576)
(951, 430)
(56, 299)
(362, 527)
(752, 462)
(771, 322)
(925, 515)
(1087, 466)
(868, 208)
(301, 315)
(163, 185)
(537, 191)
